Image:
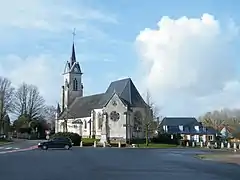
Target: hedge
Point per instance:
(76, 138)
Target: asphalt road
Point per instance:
(19, 144)
(112, 164)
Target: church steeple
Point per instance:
(73, 57)
(73, 86)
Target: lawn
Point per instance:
(154, 145)
(142, 145)
(89, 140)
(214, 155)
(3, 141)
(208, 156)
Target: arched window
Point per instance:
(75, 84)
(100, 119)
(137, 120)
(85, 124)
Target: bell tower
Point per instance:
(72, 76)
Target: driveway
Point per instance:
(113, 164)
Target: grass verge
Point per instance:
(3, 141)
(89, 140)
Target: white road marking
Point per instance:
(7, 148)
(19, 150)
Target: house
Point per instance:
(189, 128)
(226, 132)
(119, 110)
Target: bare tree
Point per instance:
(6, 96)
(224, 117)
(150, 119)
(49, 115)
(29, 102)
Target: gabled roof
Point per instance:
(178, 121)
(126, 90)
(82, 106)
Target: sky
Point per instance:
(185, 53)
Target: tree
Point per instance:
(28, 101)
(6, 97)
(49, 115)
(150, 119)
(221, 118)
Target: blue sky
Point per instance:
(36, 41)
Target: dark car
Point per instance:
(60, 142)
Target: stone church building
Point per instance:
(121, 109)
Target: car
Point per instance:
(59, 142)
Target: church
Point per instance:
(120, 110)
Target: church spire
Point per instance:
(73, 57)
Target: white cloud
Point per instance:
(40, 71)
(42, 20)
(188, 63)
(54, 15)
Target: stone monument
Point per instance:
(103, 139)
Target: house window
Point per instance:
(165, 128)
(210, 138)
(75, 84)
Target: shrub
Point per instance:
(89, 141)
(167, 139)
(76, 139)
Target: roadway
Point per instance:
(113, 164)
(18, 145)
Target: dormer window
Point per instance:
(181, 127)
(75, 85)
(196, 128)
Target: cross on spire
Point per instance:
(74, 34)
(73, 57)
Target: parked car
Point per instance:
(59, 142)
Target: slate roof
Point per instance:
(188, 124)
(127, 91)
(82, 106)
(177, 121)
(73, 63)
(124, 88)
(73, 57)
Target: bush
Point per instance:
(25, 130)
(89, 141)
(167, 139)
(76, 139)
